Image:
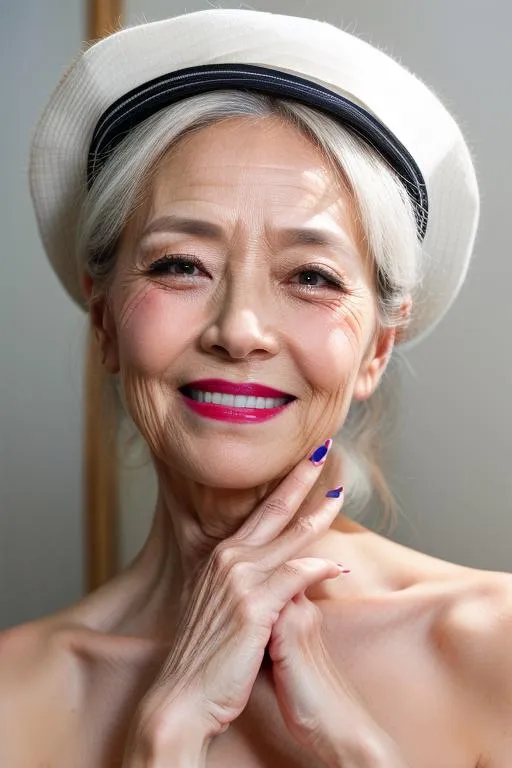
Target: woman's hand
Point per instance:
(320, 709)
(236, 600)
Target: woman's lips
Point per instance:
(236, 388)
(232, 413)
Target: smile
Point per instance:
(235, 408)
(237, 401)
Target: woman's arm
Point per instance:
(373, 750)
(186, 749)
(179, 739)
(186, 746)
(319, 706)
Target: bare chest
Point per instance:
(388, 655)
(404, 689)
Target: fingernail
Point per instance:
(335, 493)
(318, 456)
(342, 568)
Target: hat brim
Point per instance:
(421, 129)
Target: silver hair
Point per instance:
(386, 220)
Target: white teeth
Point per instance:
(236, 401)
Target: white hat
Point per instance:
(124, 78)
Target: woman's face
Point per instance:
(275, 291)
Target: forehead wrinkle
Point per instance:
(315, 189)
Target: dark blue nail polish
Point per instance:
(319, 455)
(335, 493)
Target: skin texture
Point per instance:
(410, 635)
(249, 320)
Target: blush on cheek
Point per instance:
(330, 357)
(155, 331)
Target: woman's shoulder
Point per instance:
(474, 637)
(51, 678)
(478, 614)
(51, 647)
(29, 651)
(38, 683)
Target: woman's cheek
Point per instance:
(329, 350)
(155, 330)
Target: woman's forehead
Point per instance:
(245, 144)
(272, 168)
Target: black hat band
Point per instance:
(146, 99)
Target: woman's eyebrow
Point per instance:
(287, 237)
(185, 225)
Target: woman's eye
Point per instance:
(175, 265)
(314, 278)
(185, 266)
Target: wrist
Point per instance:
(188, 750)
(179, 738)
(182, 741)
(183, 751)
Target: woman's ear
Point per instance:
(374, 364)
(102, 324)
(377, 357)
(86, 284)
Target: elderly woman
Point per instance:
(256, 209)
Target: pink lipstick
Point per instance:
(233, 401)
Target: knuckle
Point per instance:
(304, 525)
(289, 569)
(277, 507)
(249, 610)
(235, 570)
(238, 578)
(224, 557)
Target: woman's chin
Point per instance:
(228, 467)
(229, 478)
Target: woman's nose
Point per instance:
(242, 324)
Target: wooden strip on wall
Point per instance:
(100, 410)
(104, 17)
(100, 472)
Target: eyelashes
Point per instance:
(163, 265)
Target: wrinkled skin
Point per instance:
(403, 630)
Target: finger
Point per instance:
(296, 576)
(301, 532)
(274, 514)
(287, 631)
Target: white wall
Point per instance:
(41, 338)
(450, 465)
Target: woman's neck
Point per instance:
(145, 599)
(192, 519)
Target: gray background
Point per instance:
(449, 464)
(41, 338)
